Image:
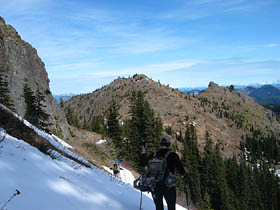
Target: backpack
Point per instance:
(116, 168)
(144, 183)
(157, 172)
(157, 167)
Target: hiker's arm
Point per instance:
(144, 158)
(180, 168)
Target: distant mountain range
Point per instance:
(63, 97)
(264, 94)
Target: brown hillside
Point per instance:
(178, 109)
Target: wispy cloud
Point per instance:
(85, 66)
(92, 41)
(225, 72)
(271, 45)
(147, 69)
(198, 9)
(254, 47)
(182, 73)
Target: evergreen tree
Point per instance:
(5, 98)
(143, 127)
(135, 131)
(34, 109)
(30, 104)
(98, 124)
(71, 117)
(191, 159)
(221, 197)
(114, 130)
(205, 204)
(42, 116)
(232, 177)
(61, 102)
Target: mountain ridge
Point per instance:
(178, 109)
(266, 94)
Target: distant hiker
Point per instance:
(116, 169)
(165, 181)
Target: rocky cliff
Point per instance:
(20, 60)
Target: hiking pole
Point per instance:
(186, 193)
(15, 194)
(2, 134)
(141, 201)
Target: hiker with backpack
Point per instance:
(161, 168)
(116, 169)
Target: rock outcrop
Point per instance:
(20, 60)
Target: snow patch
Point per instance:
(101, 141)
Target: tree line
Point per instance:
(227, 184)
(261, 146)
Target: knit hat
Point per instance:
(165, 140)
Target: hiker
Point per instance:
(116, 169)
(172, 163)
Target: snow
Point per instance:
(48, 184)
(278, 173)
(61, 141)
(61, 183)
(101, 141)
(49, 138)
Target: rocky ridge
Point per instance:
(21, 61)
(218, 110)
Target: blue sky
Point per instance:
(85, 44)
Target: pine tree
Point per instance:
(114, 130)
(5, 98)
(143, 127)
(98, 124)
(232, 177)
(191, 159)
(221, 198)
(42, 116)
(34, 109)
(214, 176)
(134, 136)
(30, 104)
(205, 204)
(71, 117)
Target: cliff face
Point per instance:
(21, 61)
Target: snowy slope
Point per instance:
(60, 184)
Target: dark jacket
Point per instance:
(173, 161)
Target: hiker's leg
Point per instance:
(170, 197)
(158, 198)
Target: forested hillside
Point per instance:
(243, 180)
(227, 114)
